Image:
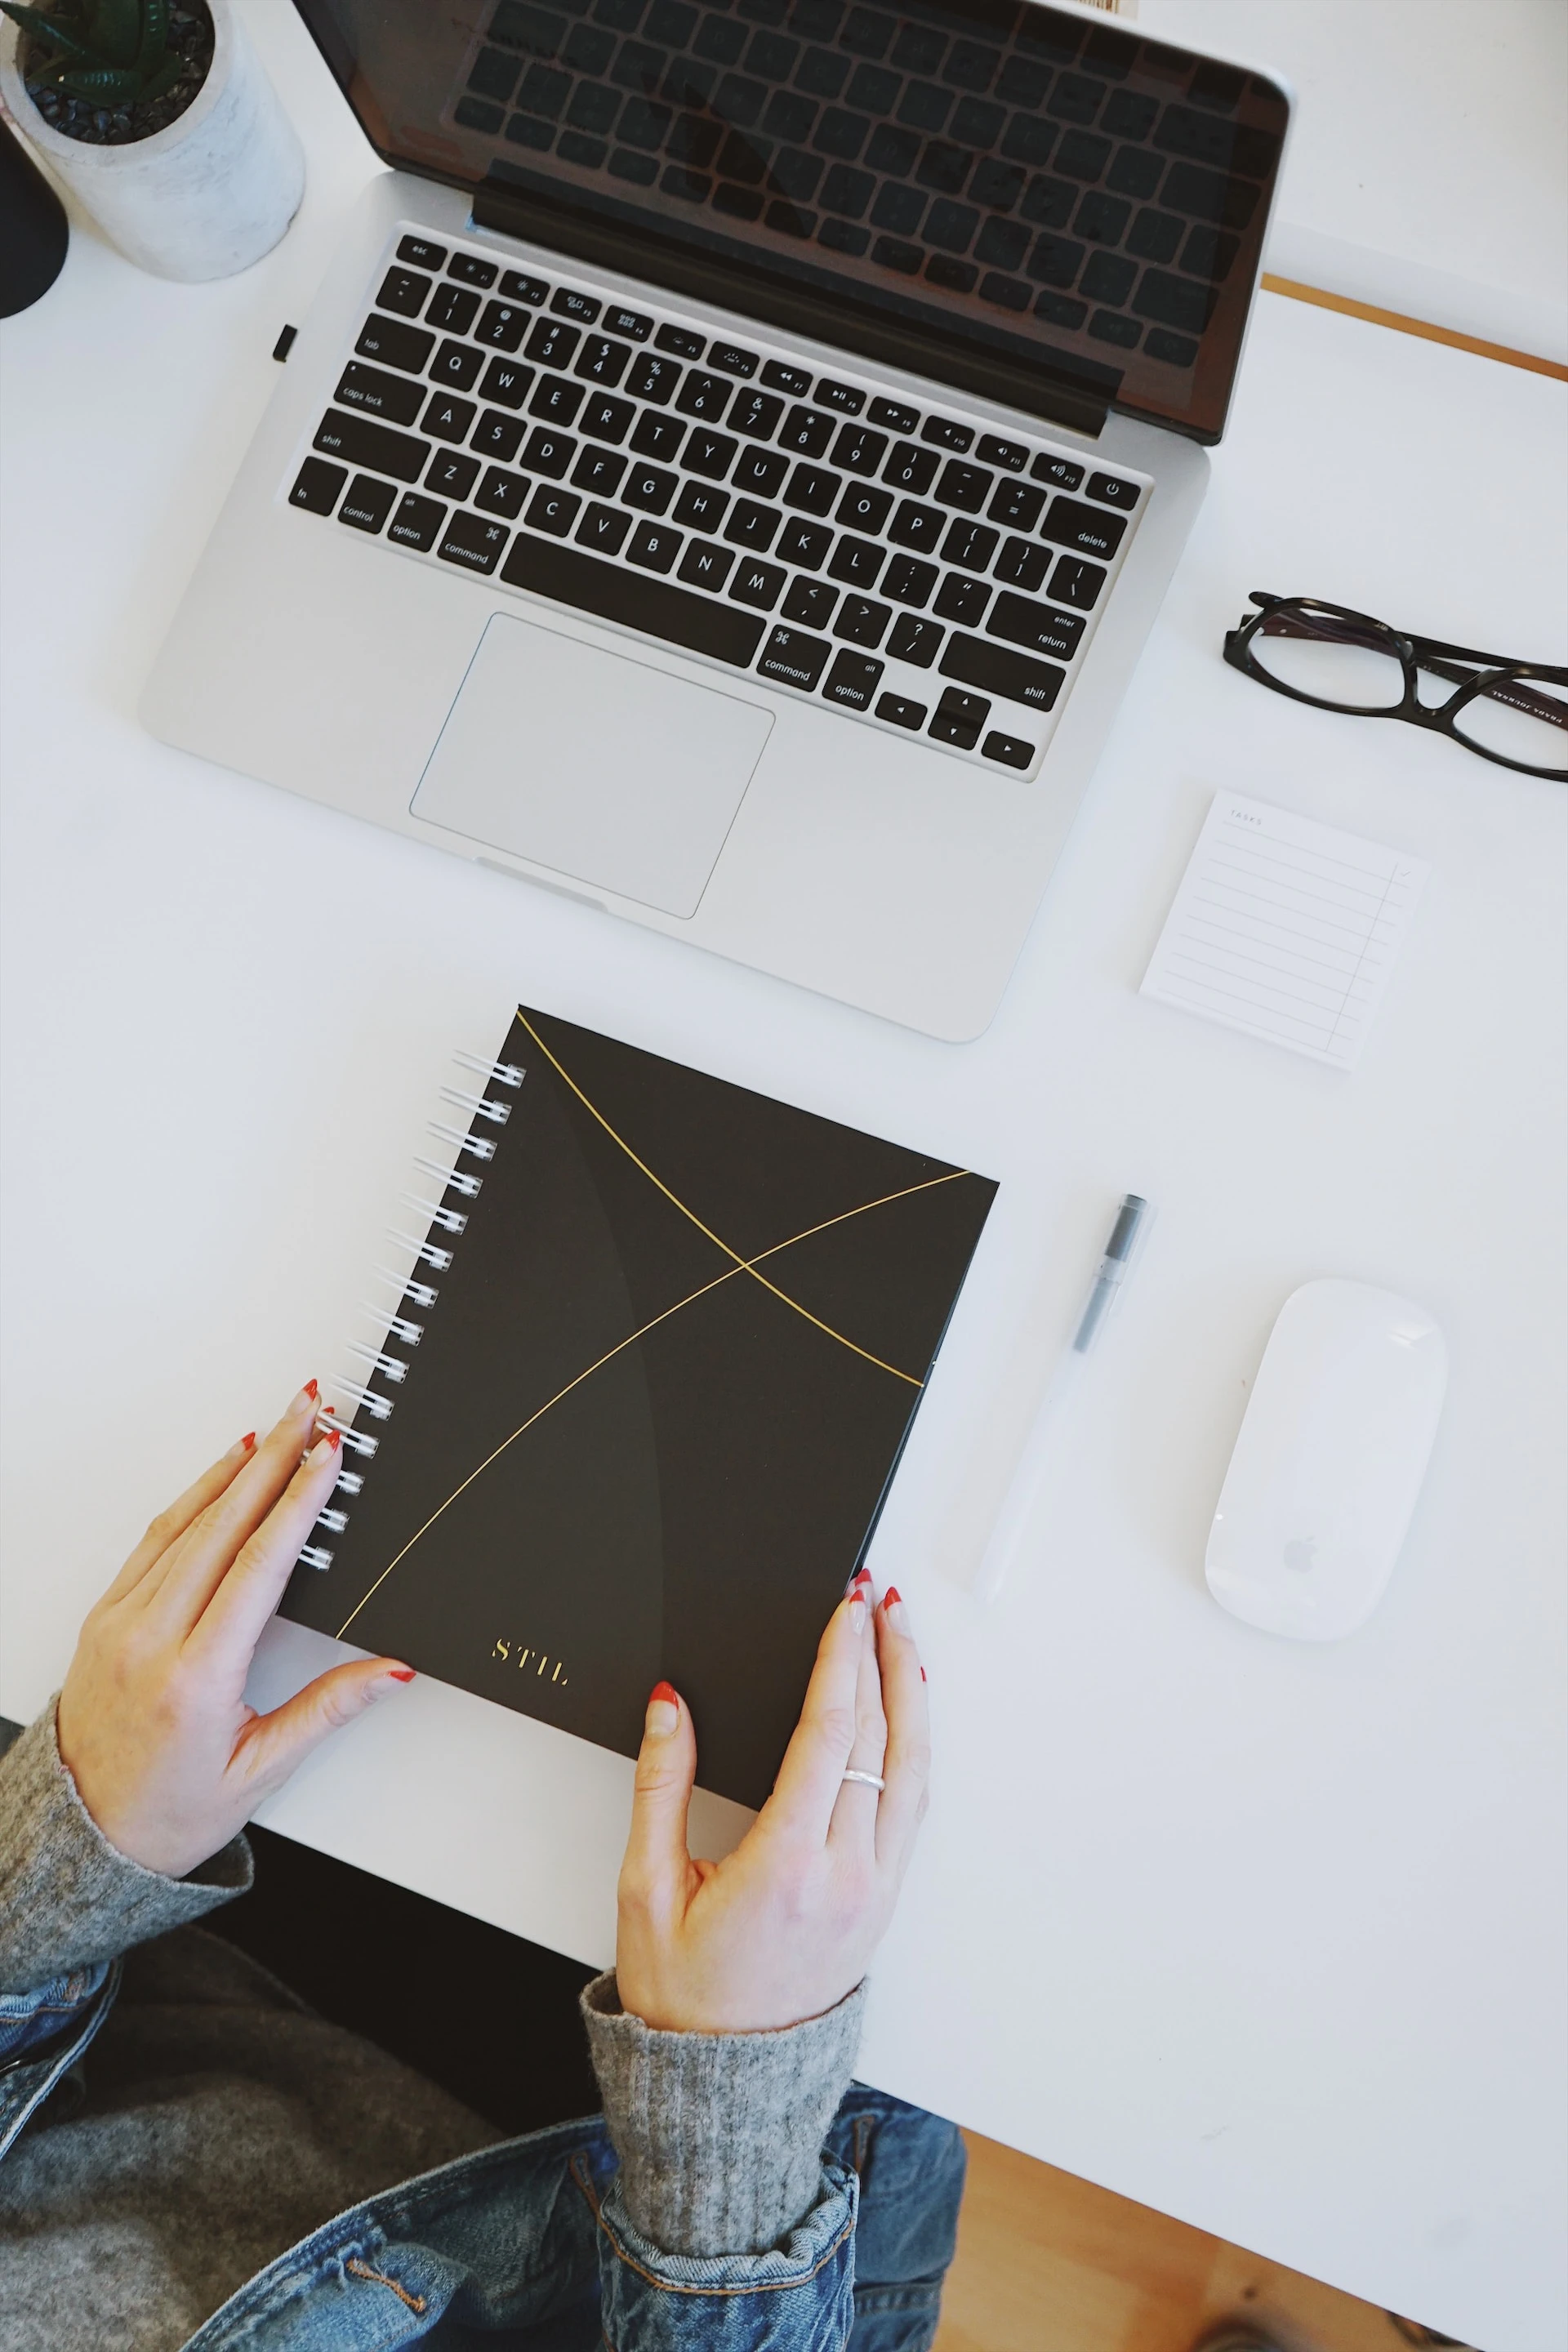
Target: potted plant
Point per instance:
(158, 118)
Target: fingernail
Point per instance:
(334, 1439)
(663, 1711)
(861, 1576)
(922, 1673)
(307, 1395)
(898, 1616)
(400, 1674)
(248, 1440)
(857, 1616)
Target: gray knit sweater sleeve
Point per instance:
(720, 2134)
(67, 1897)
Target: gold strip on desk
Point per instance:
(1406, 326)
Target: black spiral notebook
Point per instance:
(644, 1382)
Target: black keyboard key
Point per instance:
(917, 527)
(756, 413)
(358, 441)
(861, 621)
(636, 328)
(780, 378)
(704, 565)
(856, 562)
(454, 477)
(603, 530)
(403, 290)
(900, 711)
(455, 366)
(446, 419)
(656, 436)
(649, 489)
(700, 507)
(604, 419)
(634, 599)
(970, 545)
(894, 415)
(519, 287)
(757, 583)
(1001, 671)
(1010, 750)
(555, 400)
(1113, 491)
(704, 395)
(812, 490)
(421, 252)
(753, 526)
(568, 304)
(391, 396)
(502, 493)
(762, 472)
(964, 487)
(496, 435)
(505, 383)
(681, 342)
(552, 510)
(1017, 504)
(1075, 583)
(601, 360)
(417, 522)
(915, 641)
(473, 542)
(549, 453)
(393, 344)
(655, 546)
(1035, 626)
(910, 470)
(471, 269)
(810, 602)
(367, 503)
(598, 471)
(852, 681)
(552, 344)
(652, 378)
(859, 450)
(792, 658)
(961, 600)
(863, 509)
(1059, 470)
(1024, 563)
(1086, 530)
(908, 581)
(945, 434)
(847, 398)
(805, 544)
(732, 358)
(805, 432)
(503, 326)
(452, 310)
(992, 450)
(710, 454)
(959, 718)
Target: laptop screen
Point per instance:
(993, 176)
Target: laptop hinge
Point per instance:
(826, 318)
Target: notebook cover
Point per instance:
(651, 1421)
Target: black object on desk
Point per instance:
(33, 248)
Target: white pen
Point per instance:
(1133, 1220)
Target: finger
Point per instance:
(170, 1525)
(231, 1625)
(854, 1823)
(272, 1745)
(811, 1773)
(907, 1767)
(657, 1862)
(179, 1586)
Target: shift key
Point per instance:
(377, 447)
(996, 669)
(1035, 626)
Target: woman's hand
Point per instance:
(782, 1928)
(166, 1756)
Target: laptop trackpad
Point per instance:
(593, 764)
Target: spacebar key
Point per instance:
(635, 601)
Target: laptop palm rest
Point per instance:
(593, 764)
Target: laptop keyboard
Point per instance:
(883, 557)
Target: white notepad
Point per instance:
(1286, 929)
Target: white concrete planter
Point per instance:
(205, 197)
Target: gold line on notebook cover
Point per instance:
(621, 1345)
(743, 1265)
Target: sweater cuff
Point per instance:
(69, 1899)
(720, 2134)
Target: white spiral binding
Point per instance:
(399, 1330)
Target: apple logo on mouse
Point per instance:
(1301, 1552)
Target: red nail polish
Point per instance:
(892, 1595)
(922, 1673)
(402, 1674)
(248, 1440)
(665, 1690)
(334, 1439)
(312, 1387)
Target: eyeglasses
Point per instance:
(1513, 712)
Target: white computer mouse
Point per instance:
(1330, 1461)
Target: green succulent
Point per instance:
(110, 52)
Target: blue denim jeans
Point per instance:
(526, 2247)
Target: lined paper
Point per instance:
(1286, 929)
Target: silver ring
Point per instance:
(872, 1780)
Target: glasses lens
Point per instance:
(1523, 719)
(1344, 663)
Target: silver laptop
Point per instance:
(731, 469)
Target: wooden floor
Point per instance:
(1049, 2263)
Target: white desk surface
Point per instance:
(1268, 1936)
